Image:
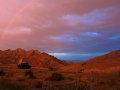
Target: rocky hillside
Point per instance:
(33, 57)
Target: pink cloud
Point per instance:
(39, 24)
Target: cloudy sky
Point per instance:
(68, 29)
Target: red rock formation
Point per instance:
(33, 57)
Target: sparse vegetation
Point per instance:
(82, 86)
(83, 64)
(24, 66)
(9, 85)
(38, 84)
(81, 70)
(56, 77)
(30, 74)
(20, 79)
(90, 75)
(2, 72)
(51, 68)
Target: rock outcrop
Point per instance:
(33, 57)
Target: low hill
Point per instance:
(107, 61)
(111, 59)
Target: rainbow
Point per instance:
(13, 19)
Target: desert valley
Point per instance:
(46, 72)
(59, 44)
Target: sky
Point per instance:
(67, 29)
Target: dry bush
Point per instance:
(20, 79)
(51, 69)
(38, 84)
(24, 66)
(56, 77)
(2, 72)
(82, 86)
(30, 74)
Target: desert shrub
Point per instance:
(24, 66)
(20, 79)
(83, 64)
(38, 84)
(2, 72)
(29, 74)
(81, 71)
(51, 68)
(56, 77)
(118, 73)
